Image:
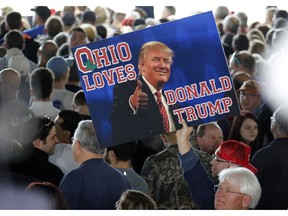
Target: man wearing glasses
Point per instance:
(233, 193)
(250, 97)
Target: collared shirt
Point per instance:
(153, 90)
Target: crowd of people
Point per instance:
(50, 156)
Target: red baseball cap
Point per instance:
(236, 152)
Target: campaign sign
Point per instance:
(199, 84)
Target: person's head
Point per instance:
(250, 95)
(60, 67)
(85, 144)
(279, 122)
(41, 15)
(68, 19)
(13, 20)
(47, 50)
(135, 200)
(231, 153)
(14, 39)
(244, 128)
(79, 103)
(240, 42)
(257, 47)
(168, 11)
(169, 138)
(89, 17)
(10, 81)
(66, 123)
(238, 189)
(47, 191)
(269, 13)
(123, 152)
(209, 137)
(220, 13)
(41, 133)
(41, 83)
(53, 26)
(231, 23)
(242, 61)
(77, 36)
(239, 78)
(90, 31)
(155, 60)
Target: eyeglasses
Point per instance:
(225, 190)
(44, 130)
(243, 94)
(219, 160)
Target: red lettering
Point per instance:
(192, 91)
(109, 76)
(170, 97)
(98, 80)
(227, 102)
(88, 87)
(202, 114)
(120, 75)
(215, 108)
(212, 83)
(204, 90)
(113, 54)
(122, 49)
(179, 112)
(131, 73)
(225, 83)
(101, 57)
(190, 113)
(79, 54)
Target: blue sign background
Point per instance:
(198, 57)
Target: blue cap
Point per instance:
(59, 65)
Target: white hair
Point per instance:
(245, 179)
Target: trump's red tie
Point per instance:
(162, 111)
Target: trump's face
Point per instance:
(155, 66)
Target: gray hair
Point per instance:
(245, 179)
(86, 135)
(280, 118)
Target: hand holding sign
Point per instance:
(183, 135)
(139, 99)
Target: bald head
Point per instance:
(10, 81)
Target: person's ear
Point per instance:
(246, 202)
(66, 135)
(77, 145)
(37, 143)
(111, 154)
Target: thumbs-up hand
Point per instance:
(139, 99)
